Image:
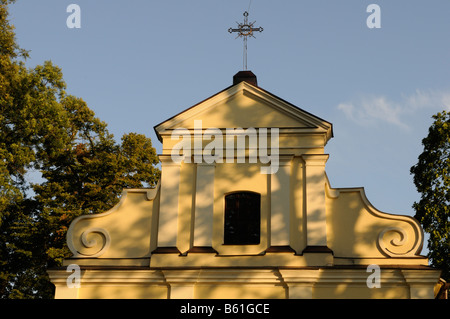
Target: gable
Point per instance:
(243, 110)
(244, 105)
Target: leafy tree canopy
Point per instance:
(432, 180)
(57, 161)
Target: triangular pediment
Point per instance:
(245, 105)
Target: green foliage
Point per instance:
(432, 180)
(57, 161)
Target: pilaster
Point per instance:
(316, 225)
(181, 282)
(300, 283)
(168, 212)
(204, 205)
(280, 203)
(421, 282)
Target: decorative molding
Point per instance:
(202, 250)
(240, 276)
(166, 250)
(333, 193)
(393, 242)
(280, 249)
(415, 243)
(257, 93)
(106, 238)
(317, 250)
(315, 159)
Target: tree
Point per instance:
(432, 180)
(57, 162)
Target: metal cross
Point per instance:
(245, 30)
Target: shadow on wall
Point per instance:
(358, 230)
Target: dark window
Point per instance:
(242, 218)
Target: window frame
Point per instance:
(251, 224)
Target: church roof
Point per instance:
(247, 81)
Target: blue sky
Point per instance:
(137, 63)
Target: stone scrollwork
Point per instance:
(392, 248)
(395, 236)
(92, 242)
(89, 236)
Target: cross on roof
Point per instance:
(245, 30)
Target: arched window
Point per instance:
(242, 218)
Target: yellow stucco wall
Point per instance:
(316, 241)
(247, 283)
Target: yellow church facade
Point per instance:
(244, 209)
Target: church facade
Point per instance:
(244, 209)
